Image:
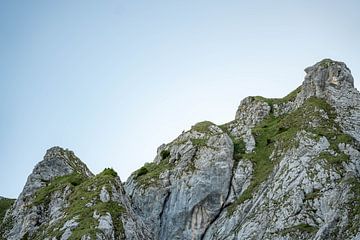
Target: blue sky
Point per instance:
(113, 80)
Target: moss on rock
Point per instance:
(83, 201)
(280, 133)
(202, 127)
(199, 142)
(300, 228)
(43, 195)
(288, 98)
(150, 173)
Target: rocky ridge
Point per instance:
(283, 169)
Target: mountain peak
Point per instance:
(327, 78)
(56, 154)
(57, 162)
(55, 151)
(284, 168)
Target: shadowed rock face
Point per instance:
(325, 77)
(285, 168)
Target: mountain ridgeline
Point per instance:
(286, 168)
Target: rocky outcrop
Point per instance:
(26, 217)
(198, 161)
(284, 168)
(327, 79)
(63, 200)
(332, 81)
(288, 176)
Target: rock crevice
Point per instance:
(284, 168)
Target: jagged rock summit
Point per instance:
(286, 168)
(62, 199)
(327, 77)
(57, 162)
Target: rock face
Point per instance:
(63, 200)
(25, 217)
(285, 168)
(191, 188)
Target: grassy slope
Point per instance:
(282, 130)
(5, 204)
(83, 190)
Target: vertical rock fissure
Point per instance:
(223, 206)
(167, 197)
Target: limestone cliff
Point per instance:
(284, 168)
(62, 199)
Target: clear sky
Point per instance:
(113, 80)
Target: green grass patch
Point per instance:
(302, 228)
(263, 166)
(288, 98)
(354, 208)
(239, 145)
(42, 196)
(87, 192)
(150, 173)
(164, 154)
(202, 127)
(109, 172)
(300, 119)
(313, 195)
(5, 225)
(282, 130)
(142, 171)
(199, 142)
(83, 192)
(239, 149)
(336, 159)
(326, 63)
(5, 204)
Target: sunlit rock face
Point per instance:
(25, 217)
(291, 176)
(286, 168)
(62, 199)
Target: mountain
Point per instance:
(285, 168)
(5, 204)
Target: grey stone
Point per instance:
(104, 195)
(195, 190)
(106, 226)
(68, 227)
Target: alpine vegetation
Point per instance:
(286, 168)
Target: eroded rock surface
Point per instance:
(289, 175)
(63, 200)
(284, 168)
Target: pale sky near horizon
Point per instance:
(113, 80)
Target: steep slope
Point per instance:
(25, 217)
(63, 200)
(5, 204)
(284, 168)
(305, 182)
(188, 184)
